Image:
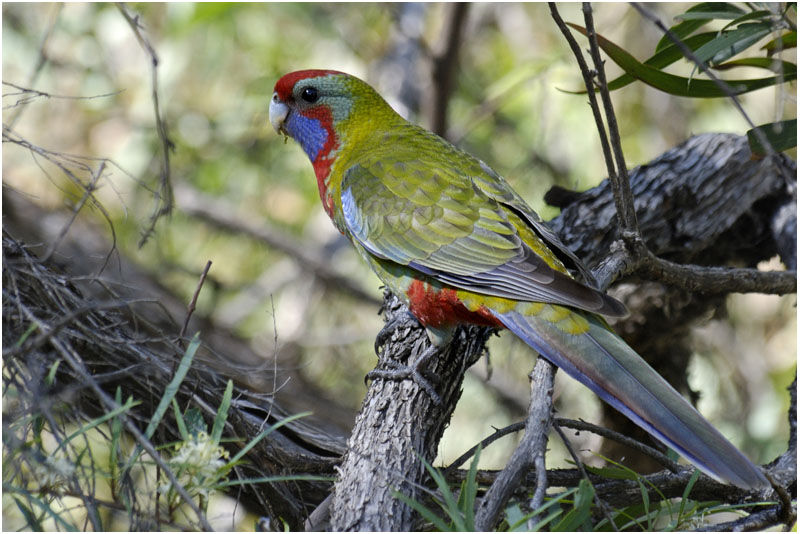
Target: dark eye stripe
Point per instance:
(309, 94)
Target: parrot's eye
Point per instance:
(309, 94)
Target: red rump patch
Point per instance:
(441, 307)
(287, 82)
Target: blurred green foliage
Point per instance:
(217, 65)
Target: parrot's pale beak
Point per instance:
(278, 111)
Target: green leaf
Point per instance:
(195, 424)
(469, 490)
(781, 135)
(612, 472)
(514, 517)
(30, 518)
(763, 15)
(172, 388)
(51, 375)
(685, 28)
(686, 491)
(169, 393)
(424, 511)
(179, 420)
(222, 414)
(775, 65)
(25, 335)
(252, 443)
(645, 500)
(663, 58)
(96, 422)
(451, 505)
(677, 85)
(116, 434)
(730, 43)
(576, 519)
(546, 520)
(44, 506)
(722, 10)
(519, 523)
(784, 42)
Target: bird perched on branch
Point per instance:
(450, 236)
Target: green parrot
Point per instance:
(450, 237)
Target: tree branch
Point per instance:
(620, 183)
(399, 427)
(529, 452)
(164, 200)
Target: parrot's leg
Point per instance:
(414, 371)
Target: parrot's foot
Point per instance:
(386, 332)
(414, 371)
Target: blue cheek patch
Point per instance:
(308, 132)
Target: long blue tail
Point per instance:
(602, 361)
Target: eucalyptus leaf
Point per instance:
(688, 26)
(776, 66)
(730, 43)
(678, 85)
(786, 41)
(724, 11)
(781, 135)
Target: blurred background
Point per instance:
(510, 106)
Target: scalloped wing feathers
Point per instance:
(445, 214)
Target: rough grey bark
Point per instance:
(704, 202)
(399, 428)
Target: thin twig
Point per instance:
(88, 193)
(597, 499)
(537, 500)
(193, 303)
(164, 199)
(61, 160)
(590, 88)
(41, 60)
(788, 513)
(619, 438)
(620, 182)
(35, 93)
(710, 280)
(55, 328)
(498, 433)
(757, 521)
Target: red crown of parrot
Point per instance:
(285, 85)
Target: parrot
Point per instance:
(458, 245)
